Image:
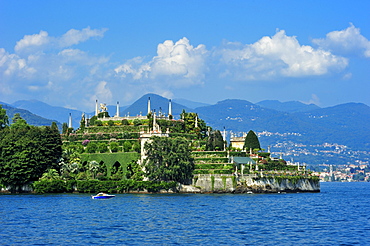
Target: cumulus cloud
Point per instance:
(276, 56)
(47, 66)
(35, 41)
(73, 36)
(102, 92)
(13, 65)
(42, 41)
(345, 41)
(180, 61)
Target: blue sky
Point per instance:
(69, 53)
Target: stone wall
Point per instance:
(249, 184)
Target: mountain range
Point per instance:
(291, 123)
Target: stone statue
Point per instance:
(103, 107)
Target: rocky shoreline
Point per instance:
(222, 184)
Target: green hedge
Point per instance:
(237, 154)
(54, 186)
(209, 153)
(95, 186)
(100, 135)
(113, 129)
(211, 159)
(212, 171)
(213, 166)
(111, 158)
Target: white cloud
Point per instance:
(345, 41)
(42, 41)
(34, 41)
(73, 36)
(13, 65)
(277, 56)
(45, 66)
(102, 93)
(179, 64)
(347, 76)
(51, 66)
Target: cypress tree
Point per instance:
(4, 121)
(251, 141)
(215, 141)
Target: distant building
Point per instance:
(237, 142)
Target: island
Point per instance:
(148, 153)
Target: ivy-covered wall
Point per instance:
(109, 159)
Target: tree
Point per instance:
(93, 168)
(51, 174)
(4, 121)
(251, 141)
(136, 147)
(54, 126)
(82, 122)
(19, 122)
(215, 141)
(26, 153)
(134, 171)
(64, 128)
(168, 159)
(193, 124)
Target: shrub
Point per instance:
(114, 147)
(103, 148)
(137, 122)
(125, 122)
(72, 137)
(49, 186)
(136, 147)
(126, 146)
(85, 142)
(91, 148)
(110, 123)
(99, 136)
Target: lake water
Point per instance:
(339, 215)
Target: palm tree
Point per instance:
(51, 174)
(93, 167)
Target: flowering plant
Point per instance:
(85, 142)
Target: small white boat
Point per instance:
(102, 196)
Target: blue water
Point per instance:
(339, 215)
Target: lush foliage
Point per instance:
(168, 159)
(27, 152)
(215, 141)
(251, 141)
(193, 124)
(95, 186)
(4, 121)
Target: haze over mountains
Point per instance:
(287, 123)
